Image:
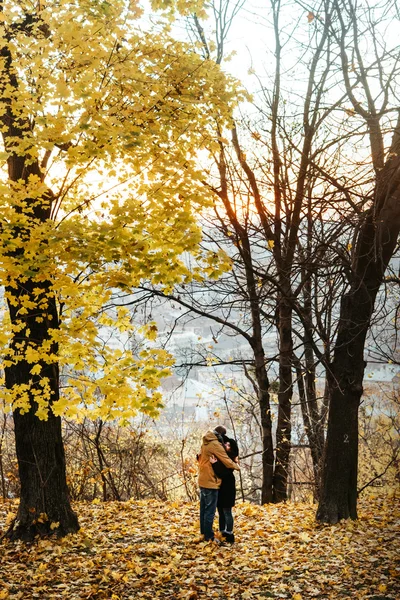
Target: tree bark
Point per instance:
(284, 426)
(266, 428)
(339, 483)
(2, 477)
(377, 241)
(311, 427)
(312, 417)
(44, 507)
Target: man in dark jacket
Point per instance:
(209, 482)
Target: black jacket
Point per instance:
(227, 491)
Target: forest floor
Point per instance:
(148, 549)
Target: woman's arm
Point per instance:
(220, 453)
(219, 468)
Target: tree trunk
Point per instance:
(316, 447)
(2, 477)
(339, 484)
(376, 244)
(340, 463)
(284, 427)
(44, 507)
(315, 434)
(377, 238)
(99, 453)
(104, 468)
(266, 429)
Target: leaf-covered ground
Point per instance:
(150, 550)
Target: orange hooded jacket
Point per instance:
(211, 446)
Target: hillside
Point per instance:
(150, 550)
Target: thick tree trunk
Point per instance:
(44, 507)
(376, 244)
(284, 426)
(345, 379)
(339, 484)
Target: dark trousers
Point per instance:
(225, 519)
(208, 506)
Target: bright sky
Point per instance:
(251, 37)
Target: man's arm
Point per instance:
(220, 453)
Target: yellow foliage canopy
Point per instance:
(109, 121)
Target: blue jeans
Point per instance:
(208, 506)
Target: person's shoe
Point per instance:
(224, 533)
(215, 541)
(229, 537)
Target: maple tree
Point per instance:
(101, 122)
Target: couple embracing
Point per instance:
(218, 459)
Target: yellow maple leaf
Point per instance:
(36, 369)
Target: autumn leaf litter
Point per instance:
(149, 549)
